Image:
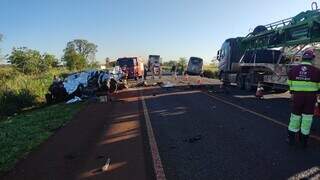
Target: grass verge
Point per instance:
(20, 134)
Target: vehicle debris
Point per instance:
(106, 166)
(84, 85)
(193, 139)
(75, 99)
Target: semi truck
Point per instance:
(265, 55)
(154, 65)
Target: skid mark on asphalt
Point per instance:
(255, 113)
(157, 164)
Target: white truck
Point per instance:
(154, 66)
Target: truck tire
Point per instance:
(241, 82)
(224, 78)
(248, 84)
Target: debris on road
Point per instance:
(167, 84)
(193, 139)
(106, 166)
(75, 99)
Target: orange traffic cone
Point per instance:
(186, 77)
(199, 81)
(259, 92)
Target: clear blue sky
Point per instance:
(171, 28)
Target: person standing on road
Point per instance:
(303, 81)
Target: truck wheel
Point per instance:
(240, 82)
(248, 86)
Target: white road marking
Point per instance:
(157, 164)
(255, 113)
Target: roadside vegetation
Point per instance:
(210, 71)
(19, 91)
(20, 134)
(26, 79)
(25, 76)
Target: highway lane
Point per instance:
(200, 137)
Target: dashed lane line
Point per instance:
(255, 113)
(157, 164)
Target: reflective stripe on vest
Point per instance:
(306, 86)
(306, 63)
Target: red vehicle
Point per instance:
(132, 66)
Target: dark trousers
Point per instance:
(303, 103)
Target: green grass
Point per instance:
(19, 91)
(20, 134)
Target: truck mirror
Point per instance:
(218, 55)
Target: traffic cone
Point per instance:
(186, 77)
(199, 81)
(259, 92)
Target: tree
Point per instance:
(25, 60)
(48, 61)
(94, 65)
(170, 63)
(83, 47)
(182, 64)
(74, 60)
(31, 61)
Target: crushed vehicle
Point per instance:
(85, 84)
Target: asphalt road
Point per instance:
(103, 134)
(200, 137)
(177, 132)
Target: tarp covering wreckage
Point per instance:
(84, 84)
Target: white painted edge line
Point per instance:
(255, 113)
(157, 164)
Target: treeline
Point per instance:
(79, 54)
(180, 64)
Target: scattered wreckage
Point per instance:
(85, 84)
